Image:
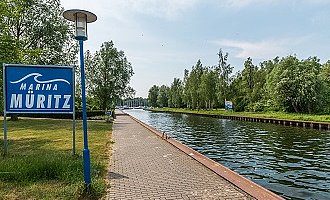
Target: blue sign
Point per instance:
(228, 105)
(38, 89)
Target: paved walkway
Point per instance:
(143, 166)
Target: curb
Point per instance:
(241, 182)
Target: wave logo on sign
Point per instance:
(39, 101)
(36, 75)
(41, 85)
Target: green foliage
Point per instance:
(324, 93)
(208, 88)
(35, 32)
(296, 84)
(108, 73)
(153, 96)
(287, 84)
(163, 96)
(240, 104)
(199, 89)
(176, 93)
(193, 90)
(224, 70)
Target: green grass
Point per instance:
(40, 164)
(274, 115)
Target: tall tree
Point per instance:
(237, 93)
(153, 95)
(260, 99)
(163, 96)
(186, 93)
(176, 93)
(193, 85)
(224, 70)
(248, 78)
(108, 74)
(208, 87)
(324, 94)
(38, 32)
(296, 84)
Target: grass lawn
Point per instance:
(274, 115)
(40, 164)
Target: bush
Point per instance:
(263, 106)
(90, 114)
(240, 104)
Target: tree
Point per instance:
(311, 84)
(176, 93)
(260, 99)
(208, 87)
(192, 87)
(186, 93)
(38, 32)
(153, 95)
(237, 92)
(108, 74)
(163, 96)
(248, 78)
(296, 84)
(286, 84)
(224, 70)
(324, 94)
(248, 73)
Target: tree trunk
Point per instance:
(295, 107)
(309, 108)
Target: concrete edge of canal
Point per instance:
(241, 182)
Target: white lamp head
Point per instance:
(81, 18)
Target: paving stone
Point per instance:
(144, 166)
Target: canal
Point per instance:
(291, 161)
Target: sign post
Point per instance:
(37, 89)
(86, 153)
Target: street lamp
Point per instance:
(81, 18)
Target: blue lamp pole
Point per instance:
(81, 18)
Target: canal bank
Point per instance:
(286, 122)
(146, 165)
(291, 161)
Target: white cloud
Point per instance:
(246, 3)
(243, 3)
(317, 1)
(265, 49)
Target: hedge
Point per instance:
(91, 113)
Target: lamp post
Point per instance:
(81, 18)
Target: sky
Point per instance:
(161, 38)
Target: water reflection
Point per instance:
(291, 161)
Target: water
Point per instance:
(290, 161)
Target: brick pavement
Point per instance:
(143, 166)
